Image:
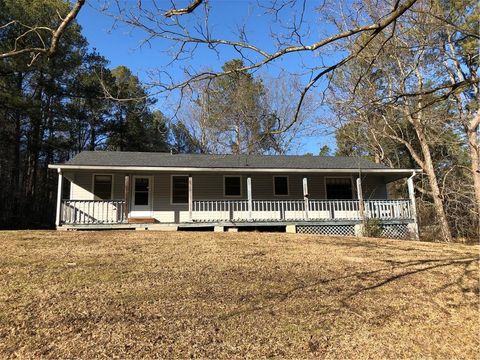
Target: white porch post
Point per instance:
(190, 197)
(360, 228)
(411, 194)
(126, 210)
(361, 204)
(305, 195)
(59, 197)
(249, 196)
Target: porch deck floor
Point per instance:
(201, 224)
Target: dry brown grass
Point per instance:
(180, 295)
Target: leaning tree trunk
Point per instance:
(473, 145)
(474, 149)
(429, 170)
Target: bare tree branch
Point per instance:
(56, 33)
(190, 8)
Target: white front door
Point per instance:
(142, 196)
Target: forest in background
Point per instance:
(407, 97)
(53, 108)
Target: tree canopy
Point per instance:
(56, 106)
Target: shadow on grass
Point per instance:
(374, 280)
(372, 243)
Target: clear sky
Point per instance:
(121, 46)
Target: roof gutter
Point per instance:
(233, 170)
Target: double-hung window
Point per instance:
(232, 186)
(179, 189)
(339, 188)
(102, 187)
(280, 185)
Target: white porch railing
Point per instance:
(334, 210)
(238, 210)
(219, 210)
(388, 209)
(290, 210)
(113, 211)
(92, 212)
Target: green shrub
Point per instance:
(372, 228)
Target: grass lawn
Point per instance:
(235, 295)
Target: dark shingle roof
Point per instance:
(144, 159)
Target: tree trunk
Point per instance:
(93, 137)
(17, 138)
(473, 145)
(429, 170)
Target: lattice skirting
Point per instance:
(395, 231)
(339, 230)
(392, 231)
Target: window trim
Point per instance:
(339, 177)
(288, 185)
(171, 188)
(111, 189)
(241, 186)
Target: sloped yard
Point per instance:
(235, 295)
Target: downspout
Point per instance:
(411, 194)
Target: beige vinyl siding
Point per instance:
(316, 186)
(163, 210)
(210, 186)
(263, 188)
(81, 187)
(118, 186)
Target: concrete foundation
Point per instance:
(218, 228)
(358, 230)
(163, 227)
(291, 229)
(413, 230)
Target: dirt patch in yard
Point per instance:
(235, 295)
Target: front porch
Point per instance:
(166, 201)
(82, 212)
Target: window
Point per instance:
(339, 188)
(280, 185)
(232, 185)
(102, 187)
(179, 189)
(141, 191)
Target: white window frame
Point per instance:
(241, 186)
(171, 188)
(71, 187)
(93, 185)
(288, 185)
(338, 177)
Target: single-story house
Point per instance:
(308, 194)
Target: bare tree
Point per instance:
(466, 99)
(367, 31)
(215, 128)
(184, 31)
(399, 84)
(45, 35)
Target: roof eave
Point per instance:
(230, 169)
